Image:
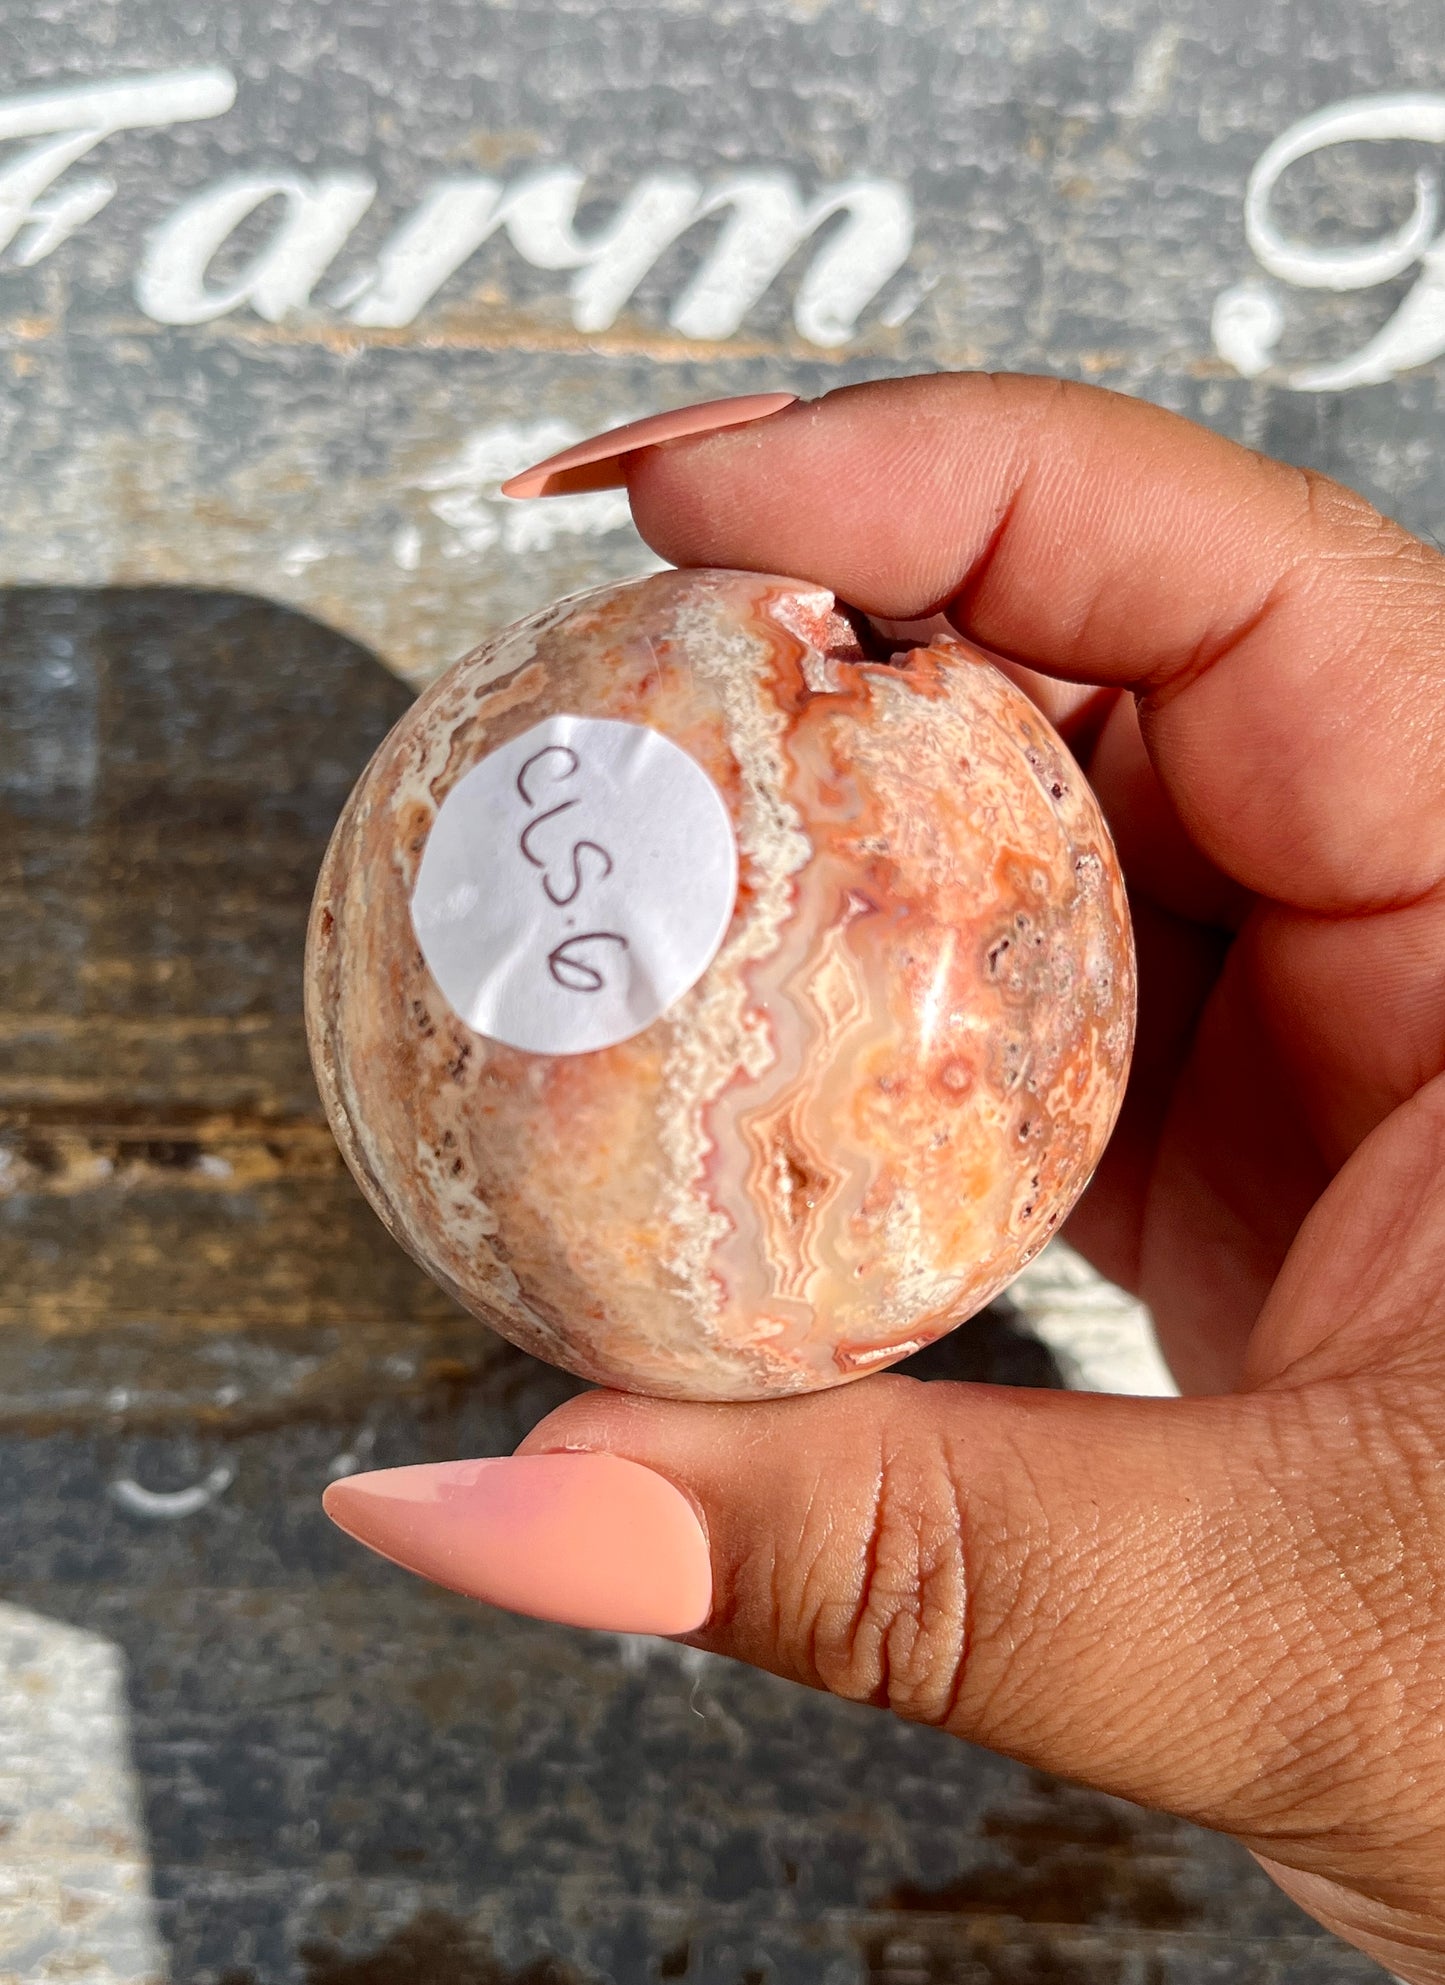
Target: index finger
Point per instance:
(1284, 638)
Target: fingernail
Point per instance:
(594, 464)
(588, 1540)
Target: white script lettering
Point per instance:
(318, 217)
(1248, 319)
(766, 221)
(72, 122)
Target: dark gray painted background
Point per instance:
(1075, 169)
(339, 1775)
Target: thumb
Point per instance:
(1227, 1607)
(1111, 1589)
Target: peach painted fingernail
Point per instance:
(594, 463)
(588, 1540)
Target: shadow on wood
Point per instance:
(171, 765)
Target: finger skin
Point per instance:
(1233, 1171)
(1275, 769)
(1294, 702)
(1123, 1592)
(1232, 1607)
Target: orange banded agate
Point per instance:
(877, 1102)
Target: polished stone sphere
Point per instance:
(718, 1004)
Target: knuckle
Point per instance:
(1339, 523)
(893, 1629)
(1331, 505)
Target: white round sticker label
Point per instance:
(575, 883)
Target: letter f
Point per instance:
(71, 122)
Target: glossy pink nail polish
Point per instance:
(595, 463)
(588, 1540)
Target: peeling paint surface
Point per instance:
(285, 293)
(75, 1875)
(234, 1749)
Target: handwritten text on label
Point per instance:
(577, 881)
(568, 960)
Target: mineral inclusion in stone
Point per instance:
(882, 1095)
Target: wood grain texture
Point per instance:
(344, 1778)
(1075, 175)
(169, 773)
(329, 1773)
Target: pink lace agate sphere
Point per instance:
(892, 1078)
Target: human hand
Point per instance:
(1231, 1605)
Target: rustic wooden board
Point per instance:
(171, 772)
(235, 1748)
(231, 1748)
(1058, 186)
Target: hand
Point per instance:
(1230, 1605)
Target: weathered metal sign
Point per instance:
(283, 300)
